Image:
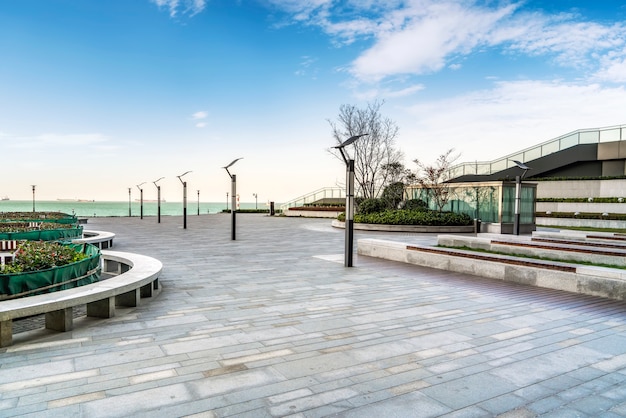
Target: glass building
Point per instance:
(491, 202)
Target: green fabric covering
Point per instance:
(44, 235)
(13, 284)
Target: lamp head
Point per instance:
(233, 162)
(521, 165)
(179, 177)
(349, 141)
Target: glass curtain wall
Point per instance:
(488, 201)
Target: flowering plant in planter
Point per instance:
(24, 226)
(16, 216)
(41, 255)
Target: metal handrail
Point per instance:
(581, 136)
(323, 193)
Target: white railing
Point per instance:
(581, 136)
(307, 199)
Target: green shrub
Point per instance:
(583, 215)
(372, 205)
(392, 195)
(415, 204)
(412, 217)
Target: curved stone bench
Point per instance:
(100, 239)
(134, 276)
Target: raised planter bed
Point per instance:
(589, 280)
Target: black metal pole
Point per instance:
(158, 204)
(184, 205)
(518, 197)
(198, 202)
(140, 203)
(349, 213)
(233, 204)
(129, 211)
(33, 186)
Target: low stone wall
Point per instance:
(525, 246)
(313, 213)
(588, 280)
(407, 228)
(588, 223)
(589, 207)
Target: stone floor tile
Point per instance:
(273, 324)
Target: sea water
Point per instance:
(95, 209)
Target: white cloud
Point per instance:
(388, 93)
(200, 115)
(613, 68)
(426, 38)
(45, 141)
(200, 124)
(185, 7)
(416, 37)
(489, 124)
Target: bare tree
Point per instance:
(371, 152)
(434, 178)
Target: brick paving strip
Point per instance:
(274, 325)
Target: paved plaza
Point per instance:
(274, 325)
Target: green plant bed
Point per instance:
(585, 228)
(64, 232)
(56, 217)
(320, 208)
(412, 217)
(584, 263)
(251, 211)
(583, 215)
(582, 199)
(43, 267)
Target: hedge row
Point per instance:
(414, 217)
(583, 215)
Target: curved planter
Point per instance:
(44, 234)
(407, 228)
(57, 278)
(56, 217)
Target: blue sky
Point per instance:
(98, 96)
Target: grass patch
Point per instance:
(584, 263)
(585, 228)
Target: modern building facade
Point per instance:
(486, 190)
(491, 202)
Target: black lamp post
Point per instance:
(233, 196)
(158, 199)
(349, 199)
(129, 211)
(33, 186)
(184, 198)
(256, 200)
(140, 199)
(198, 202)
(518, 195)
(226, 201)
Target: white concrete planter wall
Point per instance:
(581, 188)
(581, 207)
